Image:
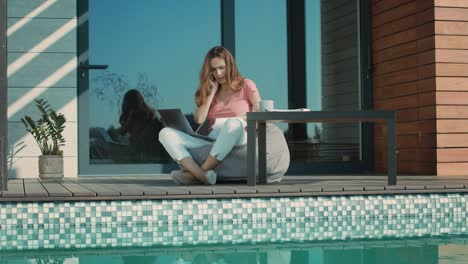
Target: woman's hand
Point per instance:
(213, 86)
(244, 116)
(202, 111)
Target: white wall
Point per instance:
(42, 63)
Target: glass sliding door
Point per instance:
(333, 62)
(155, 48)
(130, 52)
(332, 79)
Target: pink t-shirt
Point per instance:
(238, 105)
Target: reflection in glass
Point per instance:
(332, 49)
(134, 138)
(155, 47)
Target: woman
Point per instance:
(224, 96)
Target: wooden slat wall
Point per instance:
(340, 60)
(404, 80)
(451, 70)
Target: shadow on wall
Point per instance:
(13, 151)
(41, 64)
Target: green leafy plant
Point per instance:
(47, 131)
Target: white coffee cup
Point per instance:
(266, 105)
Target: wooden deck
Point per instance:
(161, 187)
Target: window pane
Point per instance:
(333, 84)
(156, 47)
(261, 47)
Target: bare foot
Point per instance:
(184, 177)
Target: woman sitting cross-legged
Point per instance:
(224, 96)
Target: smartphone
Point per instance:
(212, 78)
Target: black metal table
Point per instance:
(259, 120)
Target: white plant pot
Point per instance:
(50, 167)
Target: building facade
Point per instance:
(83, 56)
(420, 56)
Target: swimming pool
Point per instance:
(443, 250)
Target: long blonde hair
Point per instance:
(233, 78)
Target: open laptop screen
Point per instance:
(174, 118)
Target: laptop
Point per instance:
(174, 118)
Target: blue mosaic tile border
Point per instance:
(63, 225)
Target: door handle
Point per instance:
(86, 67)
(93, 67)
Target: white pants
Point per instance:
(228, 132)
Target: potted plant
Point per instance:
(47, 131)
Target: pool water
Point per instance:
(447, 250)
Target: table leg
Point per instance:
(251, 150)
(262, 152)
(392, 164)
